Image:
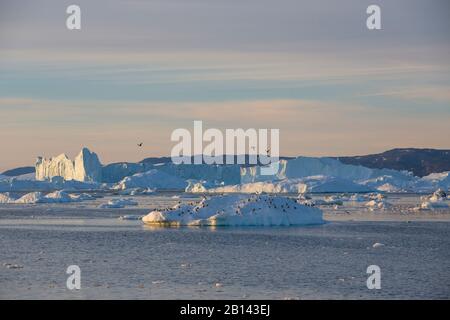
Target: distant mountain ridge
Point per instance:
(18, 171)
(420, 162)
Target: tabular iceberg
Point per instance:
(298, 185)
(237, 210)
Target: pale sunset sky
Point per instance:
(137, 70)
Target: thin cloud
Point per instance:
(434, 94)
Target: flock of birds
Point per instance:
(267, 201)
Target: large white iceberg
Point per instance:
(299, 185)
(302, 167)
(373, 179)
(85, 167)
(297, 175)
(237, 210)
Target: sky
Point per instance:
(137, 70)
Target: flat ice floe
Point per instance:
(118, 203)
(153, 179)
(327, 201)
(56, 183)
(237, 210)
(39, 197)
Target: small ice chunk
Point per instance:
(118, 203)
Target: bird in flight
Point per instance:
(140, 144)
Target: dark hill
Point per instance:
(18, 171)
(421, 162)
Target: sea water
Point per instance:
(123, 259)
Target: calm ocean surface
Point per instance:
(127, 260)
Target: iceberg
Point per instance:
(130, 217)
(315, 184)
(64, 197)
(302, 167)
(153, 179)
(26, 177)
(114, 172)
(391, 183)
(137, 191)
(57, 197)
(327, 201)
(378, 204)
(118, 203)
(213, 173)
(216, 174)
(432, 205)
(438, 200)
(5, 198)
(438, 195)
(295, 175)
(237, 210)
(387, 180)
(195, 187)
(85, 167)
(333, 200)
(55, 183)
(438, 180)
(82, 197)
(357, 198)
(30, 198)
(39, 197)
